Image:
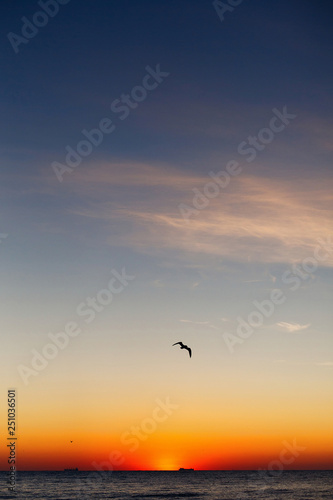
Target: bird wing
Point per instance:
(189, 351)
(180, 343)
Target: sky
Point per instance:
(167, 176)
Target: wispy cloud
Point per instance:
(292, 327)
(157, 284)
(254, 219)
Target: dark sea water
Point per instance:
(198, 485)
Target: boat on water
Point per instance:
(185, 470)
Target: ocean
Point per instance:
(163, 485)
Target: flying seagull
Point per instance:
(183, 346)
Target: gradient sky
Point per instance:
(194, 279)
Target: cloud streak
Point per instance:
(255, 219)
(293, 327)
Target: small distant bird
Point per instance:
(71, 441)
(183, 346)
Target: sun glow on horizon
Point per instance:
(166, 462)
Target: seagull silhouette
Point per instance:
(183, 346)
(71, 441)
